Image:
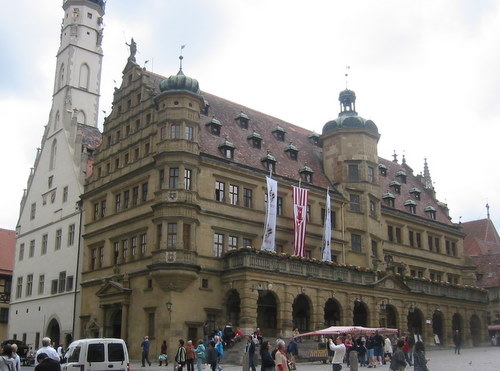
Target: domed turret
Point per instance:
(348, 117)
(180, 82)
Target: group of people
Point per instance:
(47, 358)
(278, 358)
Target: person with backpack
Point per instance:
(212, 355)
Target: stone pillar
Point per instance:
(124, 332)
(248, 307)
(286, 312)
(101, 319)
(318, 319)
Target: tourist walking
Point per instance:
(387, 348)
(6, 360)
(457, 340)
(220, 350)
(398, 362)
(280, 358)
(267, 361)
(16, 358)
(145, 352)
(250, 353)
(163, 354)
(200, 352)
(212, 356)
(339, 349)
(352, 356)
(190, 356)
(419, 361)
(292, 351)
(180, 356)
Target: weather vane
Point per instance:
(347, 68)
(181, 57)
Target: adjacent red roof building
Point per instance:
(7, 251)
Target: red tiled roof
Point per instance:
(481, 237)
(488, 265)
(7, 250)
(412, 181)
(91, 136)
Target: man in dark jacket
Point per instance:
(250, 349)
(457, 340)
(46, 364)
(293, 351)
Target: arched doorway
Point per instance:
(267, 312)
(54, 331)
(475, 330)
(332, 313)
(233, 307)
(116, 324)
(391, 317)
(301, 313)
(456, 323)
(437, 326)
(359, 314)
(415, 321)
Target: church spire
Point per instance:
(427, 176)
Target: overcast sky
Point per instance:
(426, 72)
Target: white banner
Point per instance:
(272, 206)
(327, 231)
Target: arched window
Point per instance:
(81, 118)
(56, 121)
(61, 77)
(53, 154)
(84, 76)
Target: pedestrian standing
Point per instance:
(190, 356)
(292, 351)
(267, 361)
(200, 354)
(398, 362)
(163, 354)
(339, 349)
(6, 360)
(280, 358)
(457, 340)
(16, 358)
(212, 356)
(419, 361)
(145, 352)
(180, 356)
(250, 353)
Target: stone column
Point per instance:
(101, 319)
(124, 329)
(318, 320)
(285, 310)
(248, 307)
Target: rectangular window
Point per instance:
(71, 235)
(96, 210)
(151, 324)
(126, 199)
(144, 192)
(93, 259)
(173, 180)
(101, 256)
(133, 250)
(430, 241)
(32, 249)
(118, 202)
(390, 233)
(371, 174)
(398, 235)
(146, 149)
(143, 243)
(62, 281)
(65, 194)
(247, 197)
(279, 206)
(69, 283)
(163, 132)
(187, 179)
(19, 287)
(354, 203)
(103, 208)
(232, 243)
(53, 287)
(453, 249)
(332, 217)
(161, 177)
(125, 249)
(159, 235)
(218, 244)
(41, 284)
(21, 252)
(353, 173)
(186, 236)
(33, 211)
(175, 131)
(411, 238)
(436, 244)
(116, 252)
(29, 285)
(135, 196)
(356, 242)
(247, 242)
(419, 239)
(189, 132)
(447, 247)
(219, 191)
(373, 209)
(233, 194)
(374, 249)
(58, 239)
(172, 236)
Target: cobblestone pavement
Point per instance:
(470, 359)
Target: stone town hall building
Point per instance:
(175, 211)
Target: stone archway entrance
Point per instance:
(437, 326)
(391, 317)
(267, 312)
(359, 314)
(233, 307)
(301, 313)
(54, 331)
(475, 330)
(415, 321)
(116, 324)
(332, 313)
(457, 323)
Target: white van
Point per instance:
(96, 355)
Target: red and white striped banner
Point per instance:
(300, 220)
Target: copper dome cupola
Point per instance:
(180, 82)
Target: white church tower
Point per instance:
(45, 294)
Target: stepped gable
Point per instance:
(481, 237)
(7, 250)
(245, 154)
(412, 181)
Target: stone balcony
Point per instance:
(448, 291)
(174, 269)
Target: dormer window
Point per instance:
(411, 205)
(269, 162)
(402, 176)
(306, 173)
(389, 199)
(206, 108)
(396, 186)
(382, 169)
(242, 119)
(292, 151)
(255, 139)
(279, 133)
(214, 126)
(431, 212)
(227, 149)
(314, 138)
(415, 192)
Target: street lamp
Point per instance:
(169, 306)
(383, 306)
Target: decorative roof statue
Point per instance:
(133, 49)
